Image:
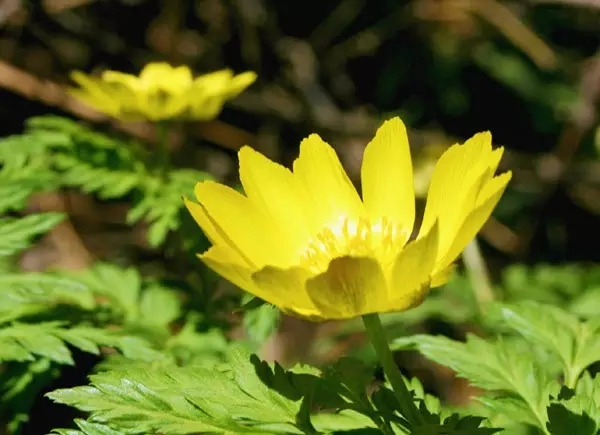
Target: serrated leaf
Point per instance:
(121, 286)
(16, 234)
(576, 411)
(181, 400)
(20, 385)
(350, 377)
(14, 193)
(39, 339)
(88, 428)
(26, 293)
(23, 342)
(162, 204)
(573, 417)
(576, 343)
(503, 366)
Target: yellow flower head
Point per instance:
(304, 241)
(160, 92)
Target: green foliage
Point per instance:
(246, 395)
(16, 234)
(25, 342)
(260, 321)
(67, 154)
(182, 400)
(520, 371)
(45, 316)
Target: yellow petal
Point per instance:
(213, 232)
(94, 93)
(455, 185)
(350, 287)
(116, 77)
(180, 80)
(286, 288)
(271, 187)
(224, 262)
(205, 107)
(159, 104)
(162, 76)
(239, 83)
(155, 73)
(441, 277)
(328, 194)
(486, 202)
(387, 176)
(213, 83)
(412, 271)
(248, 228)
(122, 90)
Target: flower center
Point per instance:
(382, 239)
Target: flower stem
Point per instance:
(379, 341)
(478, 274)
(162, 136)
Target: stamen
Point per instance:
(381, 239)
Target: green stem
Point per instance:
(478, 274)
(379, 341)
(162, 137)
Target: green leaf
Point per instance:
(191, 346)
(159, 306)
(28, 293)
(26, 168)
(349, 378)
(121, 286)
(88, 428)
(14, 193)
(92, 161)
(181, 400)
(261, 323)
(576, 411)
(20, 385)
(16, 234)
(346, 420)
(23, 342)
(555, 284)
(573, 417)
(162, 203)
(576, 343)
(585, 304)
(507, 367)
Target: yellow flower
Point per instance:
(160, 92)
(304, 241)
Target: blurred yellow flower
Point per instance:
(304, 241)
(160, 92)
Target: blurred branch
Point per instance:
(513, 29)
(335, 23)
(369, 39)
(579, 3)
(56, 6)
